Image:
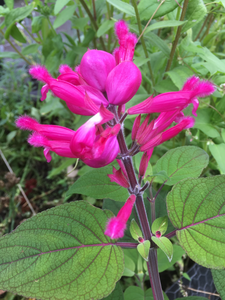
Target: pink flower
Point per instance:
(192, 89)
(81, 99)
(98, 80)
(119, 176)
(144, 162)
(95, 146)
(148, 136)
(116, 225)
(91, 143)
(127, 42)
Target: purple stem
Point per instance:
(135, 188)
(127, 245)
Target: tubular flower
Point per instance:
(148, 136)
(99, 75)
(116, 225)
(119, 176)
(144, 162)
(192, 89)
(91, 143)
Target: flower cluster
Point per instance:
(100, 87)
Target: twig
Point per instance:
(150, 19)
(199, 291)
(142, 40)
(17, 51)
(203, 25)
(19, 186)
(42, 195)
(177, 36)
(92, 21)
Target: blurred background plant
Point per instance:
(183, 38)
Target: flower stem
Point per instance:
(142, 215)
(143, 41)
(177, 36)
(92, 21)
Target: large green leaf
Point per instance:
(59, 4)
(179, 75)
(181, 163)
(96, 184)
(196, 11)
(218, 278)
(196, 206)
(61, 253)
(147, 8)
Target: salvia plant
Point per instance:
(77, 251)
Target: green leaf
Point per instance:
(158, 42)
(106, 25)
(147, 8)
(17, 15)
(11, 135)
(122, 6)
(59, 4)
(203, 122)
(196, 207)
(9, 3)
(36, 24)
(218, 279)
(96, 184)
(160, 224)
(143, 249)
(164, 24)
(66, 247)
(196, 11)
(64, 16)
(164, 263)
(129, 269)
(181, 163)
(179, 75)
(165, 245)
(135, 230)
(213, 63)
(218, 152)
(30, 49)
(117, 294)
(9, 54)
(17, 35)
(79, 23)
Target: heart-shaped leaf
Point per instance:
(143, 249)
(61, 253)
(181, 163)
(197, 208)
(160, 224)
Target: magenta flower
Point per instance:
(91, 143)
(101, 77)
(192, 89)
(95, 146)
(148, 136)
(120, 176)
(144, 163)
(116, 225)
